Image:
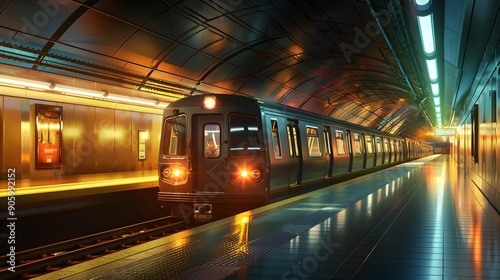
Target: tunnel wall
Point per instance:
(476, 146)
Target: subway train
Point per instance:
(220, 154)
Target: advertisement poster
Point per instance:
(48, 136)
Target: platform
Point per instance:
(418, 220)
(40, 189)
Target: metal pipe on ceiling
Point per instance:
(394, 53)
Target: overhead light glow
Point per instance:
(435, 89)
(88, 93)
(102, 95)
(422, 2)
(432, 68)
(437, 101)
(23, 83)
(426, 26)
(130, 100)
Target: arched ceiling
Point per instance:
(356, 60)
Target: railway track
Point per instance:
(45, 259)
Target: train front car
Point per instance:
(212, 160)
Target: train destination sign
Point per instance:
(449, 131)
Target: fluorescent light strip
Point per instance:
(435, 89)
(422, 2)
(130, 100)
(436, 101)
(24, 83)
(10, 81)
(95, 94)
(432, 68)
(426, 26)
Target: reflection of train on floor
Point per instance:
(219, 152)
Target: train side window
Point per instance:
(243, 135)
(378, 144)
(174, 136)
(290, 143)
(276, 138)
(357, 144)
(339, 140)
(369, 144)
(212, 140)
(295, 141)
(313, 141)
(386, 145)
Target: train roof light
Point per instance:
(209, 102)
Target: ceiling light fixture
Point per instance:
(426, 27)
(100, 95)
(16, 82)
(432, 68)
(79, 92)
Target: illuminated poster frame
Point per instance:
(143, 136)
(48, 136)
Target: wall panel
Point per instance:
(12, 135)
(154, 137)
(105, 145)
(68, 138)
(85, 140)
(3, 169)
(26, 136)
(123, 141)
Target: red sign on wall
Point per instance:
(48, 121)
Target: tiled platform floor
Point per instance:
(418, 220)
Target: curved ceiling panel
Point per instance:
(353, 60)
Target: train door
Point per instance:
(292, 129)
(387, 151)
(363, 143)
(394, 152)
(400, 150)
(328, 151)
(349, 149)
(207, 139)
(369, 152)
(341, 162)
(358, 152)
(379, 151)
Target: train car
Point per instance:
(223, 153)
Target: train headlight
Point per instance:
(209, 102)
(177, 172)
(174, 174)
(246, 174)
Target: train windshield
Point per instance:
(243, 136)
(174, 136)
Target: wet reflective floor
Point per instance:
(418, 220)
